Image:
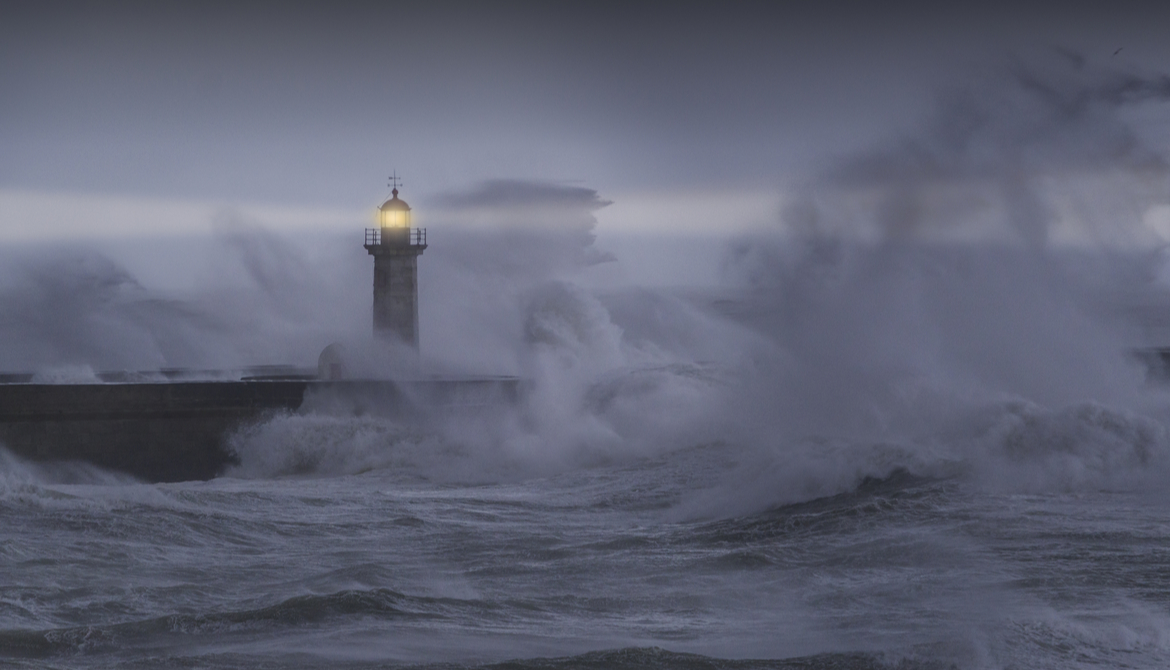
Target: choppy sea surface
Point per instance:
(1047, 547)
(906, 458)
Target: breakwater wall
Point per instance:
(177, 430)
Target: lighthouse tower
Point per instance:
(396, 247)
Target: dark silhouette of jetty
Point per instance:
(175, 425)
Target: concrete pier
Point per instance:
(176, 431)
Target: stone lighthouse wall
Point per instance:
(396, 296)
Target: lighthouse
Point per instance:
(396, 247)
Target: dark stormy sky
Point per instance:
(301, 110)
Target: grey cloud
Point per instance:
(517, 193)
(527, 228)
(303, 102)
(994, 142)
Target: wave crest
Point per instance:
(1025, 447)
(320, 444)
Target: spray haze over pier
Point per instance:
(838, 327)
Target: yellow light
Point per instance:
(395, 218)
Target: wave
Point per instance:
(1013, 446)
(53, 483)
(632, 658)
(873, 500)
(655, 657)
(565, 422)
(298, 611)
(1021, 446)
(323, 444)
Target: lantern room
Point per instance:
(394, 213)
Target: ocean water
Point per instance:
(861, 456)
(890, 458)
(1013, 536)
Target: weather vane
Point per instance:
(395, 182)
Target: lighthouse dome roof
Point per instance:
(394, 203)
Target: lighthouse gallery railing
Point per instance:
(414, 237)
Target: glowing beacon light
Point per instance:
(394, 213)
